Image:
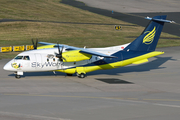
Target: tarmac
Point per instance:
(136, 92)
(135, 6)
(149, 91)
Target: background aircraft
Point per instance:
(70, 60)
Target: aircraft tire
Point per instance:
(17, 76)
(82, 75)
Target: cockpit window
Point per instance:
(22, 57)
(18, 57)
(26, 58)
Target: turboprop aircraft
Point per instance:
(70, 60)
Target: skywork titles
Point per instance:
(46, 64)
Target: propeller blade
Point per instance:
(59, 55)
(58, 49)
(62, 50)
(34, 44)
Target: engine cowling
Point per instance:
(75, 56)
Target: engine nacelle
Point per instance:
(75, 56)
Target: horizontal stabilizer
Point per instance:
(160, 20)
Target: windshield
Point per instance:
(18, 57)
(22, 57)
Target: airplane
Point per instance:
(71, 60)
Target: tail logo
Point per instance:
(148, 39)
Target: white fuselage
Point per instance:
(46, 60)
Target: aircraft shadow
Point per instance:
(34, 74)
(113, 81)
(154, 64)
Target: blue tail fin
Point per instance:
(148, 40)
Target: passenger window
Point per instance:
(26, 58)
(18, 57)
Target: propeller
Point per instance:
(60, 53)
(35, 44)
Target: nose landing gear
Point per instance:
(18, 74)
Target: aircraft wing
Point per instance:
(46, 43)
(55, 45)
(90, 52)
(96, 53)
(82, 50)
(50, 45)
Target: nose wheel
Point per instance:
(17, 76)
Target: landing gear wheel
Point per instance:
(82, 75)
(17, 76)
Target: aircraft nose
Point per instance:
(7, 67)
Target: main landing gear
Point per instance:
(81, 75)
